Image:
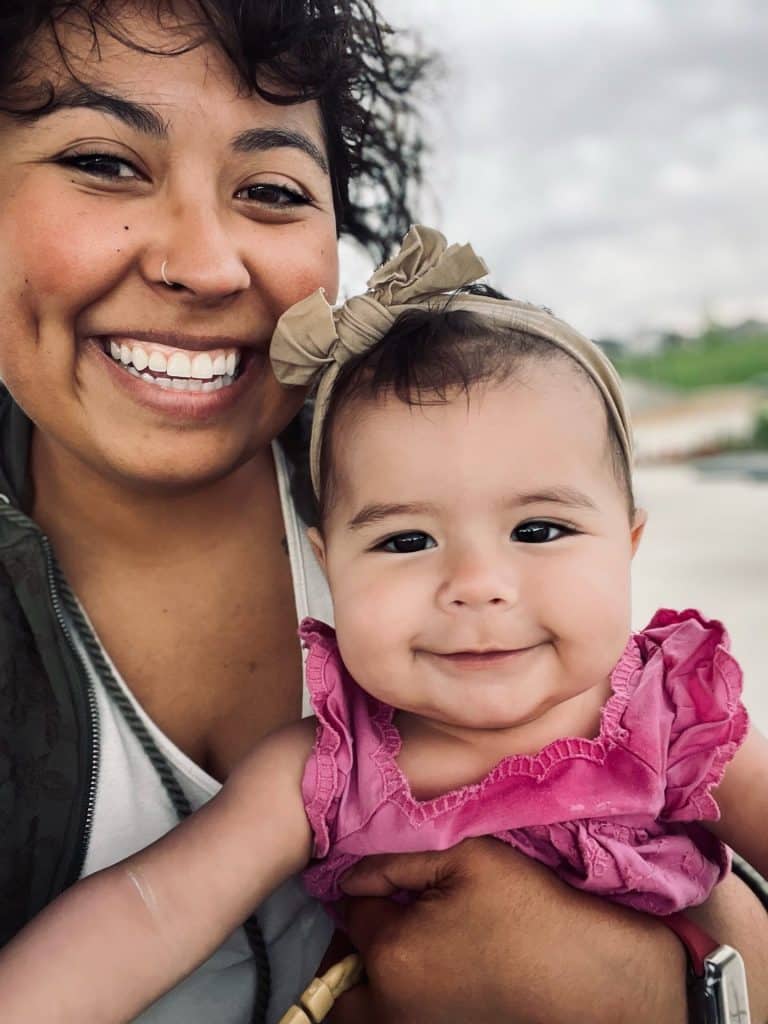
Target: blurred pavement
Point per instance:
(668, 425)
(706, 546)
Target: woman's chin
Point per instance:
(145, 447)
(175, 472)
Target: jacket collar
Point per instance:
(15, 439)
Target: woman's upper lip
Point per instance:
(176, 339)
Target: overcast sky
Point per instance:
(607, 158)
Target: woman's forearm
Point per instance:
(498, 937)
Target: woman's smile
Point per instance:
(182, 382)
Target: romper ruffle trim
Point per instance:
(704, 683)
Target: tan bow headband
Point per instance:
(312, 340)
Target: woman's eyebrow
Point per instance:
(257, 140)
(145, 119)
(138, 116)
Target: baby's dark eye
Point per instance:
(406, 543)
(273, 195)
(539, 532)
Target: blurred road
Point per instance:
(667, 425)
(706, 546)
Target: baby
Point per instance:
(471, 457)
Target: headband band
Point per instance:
(312, 340)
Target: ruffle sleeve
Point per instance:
(702, 685)
(327, 771)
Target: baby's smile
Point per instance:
(482, 658)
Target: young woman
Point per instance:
(174, 176)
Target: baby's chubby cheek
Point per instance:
(375, 645)
(603, 638)
(357, 639)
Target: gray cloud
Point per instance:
(608, 159)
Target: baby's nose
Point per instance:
(478, 581)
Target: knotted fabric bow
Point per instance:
(312, 340)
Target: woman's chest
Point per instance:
(215, 667)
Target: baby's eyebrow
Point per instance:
(563, 495)
(375, 512)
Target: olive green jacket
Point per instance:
(47, 734)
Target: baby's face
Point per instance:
(478, 551)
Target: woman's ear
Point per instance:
(315, 538)
(639, 519)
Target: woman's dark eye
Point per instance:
(406, 543)
(539, 532)
(101, 165)
(274, 195)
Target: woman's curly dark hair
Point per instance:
(338, 52)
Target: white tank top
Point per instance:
(132, 810)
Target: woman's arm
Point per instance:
(116, 941)
(742, 797)
(495, 936)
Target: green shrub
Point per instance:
(710, 361)
(760, 437)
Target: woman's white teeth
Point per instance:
(184, 384)
(204, 371)
(202, 367)
(140, 359)
(158, 362)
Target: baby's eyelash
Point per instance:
(538, 531)
(406, 542)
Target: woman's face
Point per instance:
(152, 165)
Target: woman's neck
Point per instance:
(80, 509)
(191, 594)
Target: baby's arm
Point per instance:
(742, 797)
(116, 941)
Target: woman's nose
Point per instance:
(198, 257)
(479, 581)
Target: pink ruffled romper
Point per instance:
(616, 815)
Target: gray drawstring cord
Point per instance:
(165, 773)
